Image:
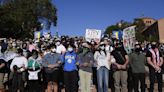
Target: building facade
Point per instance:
(155, 32)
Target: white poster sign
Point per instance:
(93, 34)
(129, 38)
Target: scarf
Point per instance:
(155, 56)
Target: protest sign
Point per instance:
(129, 38)
(93, 34)
(37, 34)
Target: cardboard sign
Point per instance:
(129, 38)
(93, 34)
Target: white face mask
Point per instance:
(107, 48)
(102, 47)
(57, 43)
(92, 43)
(70, 49)
(13, 44)
(53, 50)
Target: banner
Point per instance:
(129, 38)
(117, 34)
(37, 35)
(93, 34)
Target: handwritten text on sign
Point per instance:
(93, 34)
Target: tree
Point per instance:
(118, 26)
(20, 18)
(140, 26)
(109, 29)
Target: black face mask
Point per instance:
(153, 46)
(137, 50)
(118, 48)
(35, 56)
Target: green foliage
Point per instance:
(109, 29)
(152, 38)
(139, 37)
(139, 27)
(123, 25)
(20, 18)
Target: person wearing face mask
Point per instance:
(13, 46)
(137, 61)
(4, 46)
(51, 63)
(120, 69)
(31, 46)
(34, 67)
(70, 61)
(85, 71)
(59, 47)
(18, 67)
(108, 46)
(155, 62)
(103, 60)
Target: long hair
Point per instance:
(102, 50)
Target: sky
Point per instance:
(75, 16)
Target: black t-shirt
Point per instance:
(2, 70)
(149, 54)
(119, 55)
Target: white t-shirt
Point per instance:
(19, 61)
(108, 48)
(102, 59)
(60, 49)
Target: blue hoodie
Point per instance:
(70, 59)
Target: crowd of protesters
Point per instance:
(49, 65)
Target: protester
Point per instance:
(51, 64)
(94, 47)
(79, 56)
(34, 68)
(137, 63)
(31, 46)
(155, 61)
(4, 46)
(108, 45)
(18, 67)
(70, 60)
(120, 74)
(103, 59)
(59, 47)
(85, 71)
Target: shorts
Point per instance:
(54, 76)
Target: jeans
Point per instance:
(136, 78)
(102, 79)
(85, 80)
(71, 81)
(120, 76)
(153, 75)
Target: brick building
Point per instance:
(154, 31)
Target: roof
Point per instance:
(145, 18)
